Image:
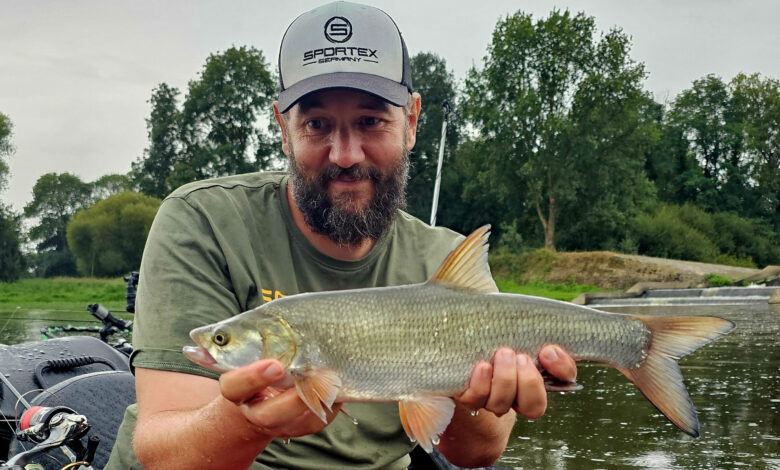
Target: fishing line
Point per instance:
(55, 320)
(75, 464)
(45, 310)
(14, 391)
(6, 323)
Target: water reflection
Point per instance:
(20, 325)
(734, 383)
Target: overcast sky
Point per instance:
(75, 76)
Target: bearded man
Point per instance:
(348, 116)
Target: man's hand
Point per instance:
(512, 381)
(274, 412)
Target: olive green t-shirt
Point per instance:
(223, 246)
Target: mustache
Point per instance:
(354, 173)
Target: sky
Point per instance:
(76, 76)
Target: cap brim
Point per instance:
(388, 90)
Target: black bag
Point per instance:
(35, 366)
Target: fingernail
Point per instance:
(272, 371)
(507, 355)
(522, 360)
(550, 354)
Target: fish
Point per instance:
(417, 344)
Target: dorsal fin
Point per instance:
(467, 265)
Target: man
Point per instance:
(348, 118)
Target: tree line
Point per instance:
(552, 139)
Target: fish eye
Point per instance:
(220, 338)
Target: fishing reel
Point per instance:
(56, 433)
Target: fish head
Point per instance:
(241, 340)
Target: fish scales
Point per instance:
(426, 337)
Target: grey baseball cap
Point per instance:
(344, 45)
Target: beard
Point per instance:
(341, 218)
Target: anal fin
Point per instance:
(425, 417)
(318, 388)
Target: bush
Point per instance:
(745, 239)
(687, 232)
(731, 260)
(52, 263)
(511, 239)
(717, 280)
(666, 235)
(108, 238)
(628, 245)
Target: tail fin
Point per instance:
(659, 378)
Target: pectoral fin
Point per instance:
(425, 418)
(318, 387)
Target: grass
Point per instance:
(717, 280)
(62, 294)
(73, 294)
(566, 292)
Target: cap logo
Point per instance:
(338, 29)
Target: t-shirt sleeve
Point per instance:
(184, 283)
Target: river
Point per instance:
(734, 383)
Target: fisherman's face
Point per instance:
(348, 161)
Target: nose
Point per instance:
(346, 149)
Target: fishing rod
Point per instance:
(434, 205)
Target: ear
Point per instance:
(414, 115)
(282, 127)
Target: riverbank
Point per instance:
(69, 294)
(608, 270)
(555, 275)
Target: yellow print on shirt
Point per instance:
(267, 293)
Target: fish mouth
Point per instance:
(199, 355)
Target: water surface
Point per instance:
(734, 383)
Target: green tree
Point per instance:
(11, 257)
(564, 125)
(674, 170)
(56, 197)
(108, 185)
(6, 149)
(435, 84)
(469, 199)
(223, 116)
(108, 238)
(711, 120)
(702, 113)
(759, 103)
(611, 128)
(150, 173)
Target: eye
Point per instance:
(314, 124)
(220, 338)
(370, 121)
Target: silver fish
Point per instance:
(417, 344)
